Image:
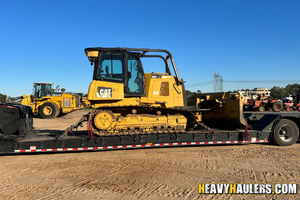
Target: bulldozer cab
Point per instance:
(41, 89)
(120, 67)
(123, 65)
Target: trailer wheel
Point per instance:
(49, 110)
(277, 106)
(286, 133)
(261, 109)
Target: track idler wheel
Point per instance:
(102, 120)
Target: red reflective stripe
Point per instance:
(142, 145)
(9, 107)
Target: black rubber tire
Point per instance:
(277, 106)
(261, 109)
(83, 105)
(51, 106)
(285, 127)
(246, 108)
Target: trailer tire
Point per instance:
(285, 133)
(277, 106)
(49, 110)
(261, 109)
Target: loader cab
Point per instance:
(121, 67)
(41, 89)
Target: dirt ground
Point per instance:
(152, 173)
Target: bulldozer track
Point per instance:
(191, 119)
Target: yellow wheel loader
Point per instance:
(129, 101)
(48, 102)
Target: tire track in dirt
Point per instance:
(147, 189)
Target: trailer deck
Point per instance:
(282, 128)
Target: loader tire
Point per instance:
(49, 110)
(285, 133)
(277, 106)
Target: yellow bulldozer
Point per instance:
(129, 101)
(48, 102)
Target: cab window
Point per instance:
(110, 67)
(135, 75)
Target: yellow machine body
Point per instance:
(50, 104)
(161, 91)
(127, 100)
(66, 103)
(86, 101)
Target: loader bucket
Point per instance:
(225, 111)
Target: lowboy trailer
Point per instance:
(17, 134)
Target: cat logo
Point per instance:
(104, 92)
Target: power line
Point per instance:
(260, 81)
(198, 84)
(243, 81)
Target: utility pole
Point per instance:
(218, 82)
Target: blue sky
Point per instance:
(44, 41)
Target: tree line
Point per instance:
(2, 98)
